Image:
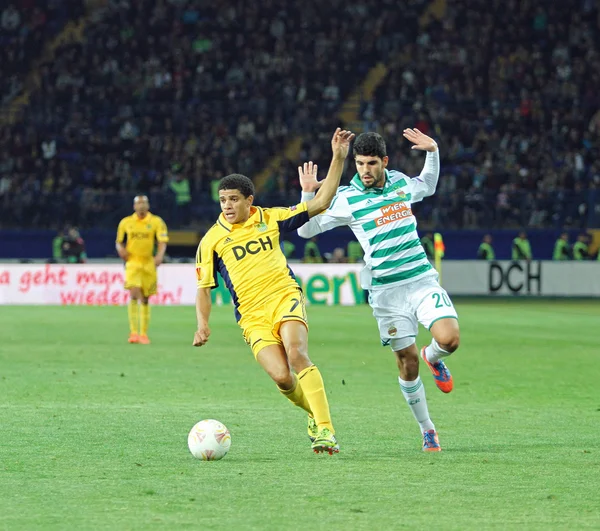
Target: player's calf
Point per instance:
(407, 360)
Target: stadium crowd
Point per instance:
(205, 89)
(512, 90)
(25, 28)
(168, 96)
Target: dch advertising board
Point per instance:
(536, 278)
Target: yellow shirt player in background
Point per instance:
(244, 247)
(141, 230)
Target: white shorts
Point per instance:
(399, 310)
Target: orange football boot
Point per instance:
(144, 340)
(441, 374)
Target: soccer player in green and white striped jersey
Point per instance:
(403, 286)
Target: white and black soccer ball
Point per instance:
(209, 440)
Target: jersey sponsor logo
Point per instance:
(252, 247)
(139, 235)
(393, 212)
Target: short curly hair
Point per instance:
(237, 181)
(370, 145)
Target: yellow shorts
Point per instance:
(140, 274)
(261, 325)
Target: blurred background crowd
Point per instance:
(165, 97)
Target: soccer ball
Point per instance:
(209, 440)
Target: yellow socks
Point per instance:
(133, 312)
(296, 395)
(311, 381)
(144, 319)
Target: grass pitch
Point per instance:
(93, 430)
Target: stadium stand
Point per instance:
(157, 84)
(512, 92)
(25, 29)
(154, 90)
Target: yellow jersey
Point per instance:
(141, 233)
(248, 255)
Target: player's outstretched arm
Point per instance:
(425, 184)
(203, 307)
(340, 144)
(309, 184)
(338, 213)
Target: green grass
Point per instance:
(93, 430)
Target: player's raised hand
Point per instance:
(201, 336)
(308, 177)
(420, 140)
(340, 143)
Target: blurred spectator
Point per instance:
(486, 251)
(562, 250)
(312, 254)
(288, 248)
(581, 249)
(73, 247)
(57, 243)
(180, 186)
(11, 18)
(355, 252)
(427, 243)
(521, 249)
(338, 256)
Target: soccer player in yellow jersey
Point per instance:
(244, 247)
(142, 229)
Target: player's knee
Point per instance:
(135, 294)
(283, 378)
(298, 356)
(449, 341)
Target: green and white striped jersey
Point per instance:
(383, 222)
